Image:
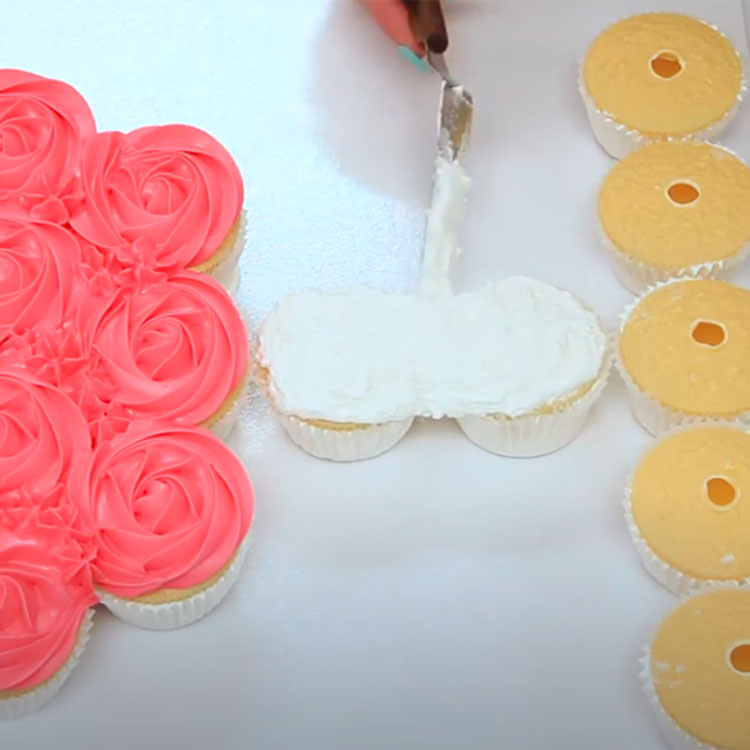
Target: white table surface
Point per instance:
(438, 597)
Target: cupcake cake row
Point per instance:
(123, 361)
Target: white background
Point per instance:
(438, 597)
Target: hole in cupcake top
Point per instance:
(666, 64)
(739, 658)
(709, 333)
(720, 492)
(683, 193)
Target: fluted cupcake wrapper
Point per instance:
(21, 705)
(618, 140)
(537, 434)
(673, 734)
(672, 578)
(637, 275)
(344, 445)
(226, 271)
(654, 416)
(223, 426)
(176, 614)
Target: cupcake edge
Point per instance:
(655, 417)
(223, 265)
(637, 275)
(672, 578)
(532, 435)
(618, 140)
(672, 733)
(28, 702)
(177, 614)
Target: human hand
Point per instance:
(415, 25)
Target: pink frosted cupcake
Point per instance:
(44, 124)
(171, 194)
(46, 589)
(172, 508)
(46, 598)
(39, 273)
(176, 350)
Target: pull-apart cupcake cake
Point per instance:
(123, 360)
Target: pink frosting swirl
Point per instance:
(43, 124)
(169, 193)
(170, 505)
(176, 349)
(45, 586)
(39, 274)
(44, 438)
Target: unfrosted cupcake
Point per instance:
(686, 507)
(44, 124)
(517, 362)
(696, 672)
(660, 76)
(171, 508)
(676, 209)
(176, 349)
(171, 194)
(684, 352)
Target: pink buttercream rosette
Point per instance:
(110, 352)
(43, 126)
(171, 508)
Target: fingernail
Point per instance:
(413, 58)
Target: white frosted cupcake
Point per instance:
(660, 76)
(675, 210)
(171, 507)
(517, 362)
(696, 672)
(684, 353)
(686, 507)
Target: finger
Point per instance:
(393, 18)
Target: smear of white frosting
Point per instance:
(360, 355)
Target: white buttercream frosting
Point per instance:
(359, 355)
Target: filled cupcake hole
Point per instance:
(720, 491)
(666, 64)
(709, 333)
(683, 193)
(739, 658)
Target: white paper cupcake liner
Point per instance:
(671, 578)
(223, 427)
(537, 435)
(618, 140)
(655, 417)
(180, 613)
(344, 445)
(673, 734)
(14, 708)
(226, 271)
(637, 275)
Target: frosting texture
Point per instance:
(44, 439)
(170, 193)
(364, 356)
(170, 507)
(173, 350)
(43, 125)
(45, 585)
(39, 273)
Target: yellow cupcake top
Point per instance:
(687, 344)
(691, 502)
(675, 204)
(700, 662)
(663, 74)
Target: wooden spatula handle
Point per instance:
(428, 23)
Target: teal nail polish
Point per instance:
(413, 58)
